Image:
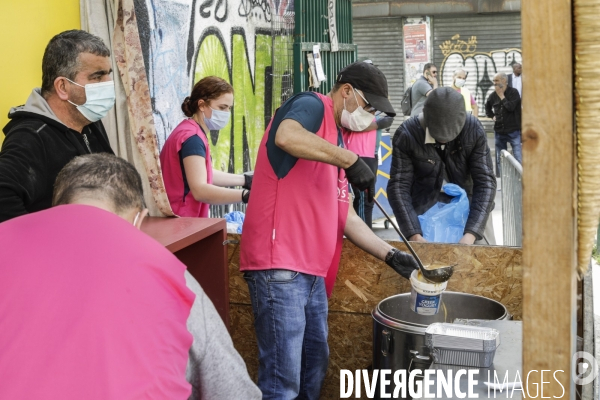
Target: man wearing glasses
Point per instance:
(422, 87)
(297, 216)
(364, 144)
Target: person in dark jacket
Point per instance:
(515, 80)
(57, 123)
(442, 144)
(504, 107)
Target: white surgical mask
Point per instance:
(218, 120)
(459, 82)
(99, 99)
(358, 120)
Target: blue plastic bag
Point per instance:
(235, 221)
(443, 222)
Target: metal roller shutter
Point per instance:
(380, 40)
(497, 45)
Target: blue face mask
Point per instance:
(218, 120)
(100, 98)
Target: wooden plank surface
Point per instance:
(199, 244)
(178, 233)
(549, 280)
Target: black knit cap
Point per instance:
(371, 81)
(444, 114)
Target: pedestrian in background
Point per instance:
(422, 87)
(458, 83)
(514, 79)
(504, 107)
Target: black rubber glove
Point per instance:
(245, 196)
(384, 122)
(371, 193)
(401, 262)
(360, 175)
(248, 179)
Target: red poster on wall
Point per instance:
(415, 43)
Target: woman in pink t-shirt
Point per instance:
(190, 181)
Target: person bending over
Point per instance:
(93, 308)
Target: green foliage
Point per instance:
(596, 254)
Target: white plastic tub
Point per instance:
(425, 297)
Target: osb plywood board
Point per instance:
(491, 271)
(238, 289)
(244, 336)
(348, 348)
(363, 281)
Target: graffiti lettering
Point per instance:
(238, 49)
(459, 46)
(234, 148)
(220, 10)
(247, 6)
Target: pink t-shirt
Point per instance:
(361, 143)
(90, 308)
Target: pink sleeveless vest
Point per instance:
(297, 223)
(172, 175)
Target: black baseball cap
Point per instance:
(371, 81)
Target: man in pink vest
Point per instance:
(295, 223)
(92, 308)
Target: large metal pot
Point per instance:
(399, 332)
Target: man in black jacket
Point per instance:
(442, 144)
(504, 106)
(59, 122)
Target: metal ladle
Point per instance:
(437, 275)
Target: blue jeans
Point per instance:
(290, 319)
(514, 138)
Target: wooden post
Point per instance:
(549, 198)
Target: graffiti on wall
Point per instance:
(232, 39)
(481, 67)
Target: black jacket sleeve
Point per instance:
(489, 109)
(511, 100)
(22, 171)
(400, 183)
(484, 181)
